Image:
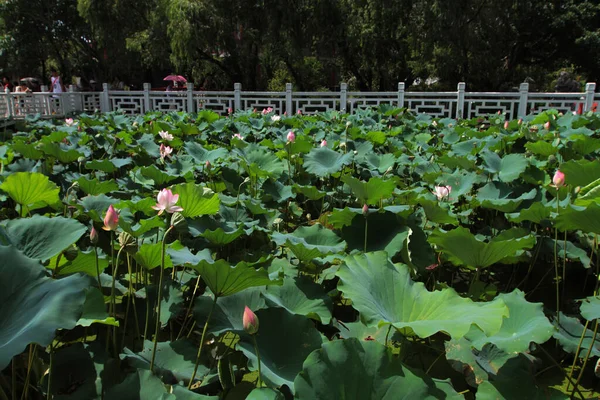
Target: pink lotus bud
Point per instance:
(505, 124)
(520, 121)
(285, 113)
(324, 143)
(499, 112)
(69, 122)
(299, 112)
(207, 164)
(365, 210)
(250, 321)
(230, 111)
(291, 137)
(559, 179)
(93, 235)
(547, 126)
(111, 219)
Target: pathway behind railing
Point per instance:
(458, 104)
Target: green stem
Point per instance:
(259, 384)
(387, 335)
(187, 313)
(146, 284)
(159, 298)
(29, 362)
(366, 228)
(585, 360)
(289, 163)
(48, 394)
(3, 395)
(561, 369)
(202, 342)
(14, 379)
(97, 268)
(576, 357)
(556, 266)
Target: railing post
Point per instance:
(288, 99)
(237, 96)
(590, 89)
(104, 99)
(190, 97)
(523, 91)
(460, 100)
(9, 103)
(147, 106)
(401, 94)
(343, 97)
(47, 100)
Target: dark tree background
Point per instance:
(315, 44)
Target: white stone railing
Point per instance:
(458, 104)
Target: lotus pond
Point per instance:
(379, 255)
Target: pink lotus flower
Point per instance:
(558, 180)
(165, 151)
(230, 111)
(299, 112)
(166, 202)
(267, 110)
(291, 137)
(250, 321)
(505, 124)
(165, 135)
(111, 219)
(69, 122)
(324, 143)
(207, 165)
(365, 210)
(547, 126)
(93, 235)
(442, 192)
(238, 136)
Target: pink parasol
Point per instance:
(175, 78)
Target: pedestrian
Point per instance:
(6, 84)
(56, 83)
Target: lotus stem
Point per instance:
(585, 328)
(113, 306)
(366, 229)
(3, 395)
(202, 342)
(187, 313)
(97, 268)
(259, 383)
(159, 299)
(13, 384)
(585, 360)
(560, 368)
(29, 362)
(387, 335)
(48, 393)
(146, 284)
(556, 266)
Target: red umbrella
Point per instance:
(175, 78)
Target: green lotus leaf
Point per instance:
(461, 182)
(225, 280)
(94, 187)
(300, 296)
(580, 172)
(33, 305)
(351, 369)
(477, 365)
(277, 191)
(174, 360)
(62, 155)
(385, 231)
(371, 192)
(435, 213)
(568, 332)
(103, 165)
(590, 308)
(31, 190)
(586, 219)
(311, 242)
(380, 163)
(589, 194)
(541, 148)
(149, 256)
(94, 310)
(323, 161)
(537, 213)
(84, 262)
(265, 394)
(257, 161)
(384, 293)
(525, 324)
(228, 312)
(27, 150)
(508, 168)
(141, 384)
(284, 341)
(181, 393)
(159, 177)
(310, 192)
(183, 256)
(196, 200)
(502, 197)
(96, 206)
(202, 155)
(41, 237)
(464, 249)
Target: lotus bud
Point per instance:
(365, 210)
(520, 121)
(207, 164)
(247, 179)
(559, 179)
(324, 143)
(94, 235)
(299, 112)
(577, 189)
(291, 137)
(547, 126)
(111, 219)
(348, 124)
(505, 124)
(230, 111)
(80, 159)
(308, 216)
(250, 321)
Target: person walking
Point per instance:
(56, 84)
